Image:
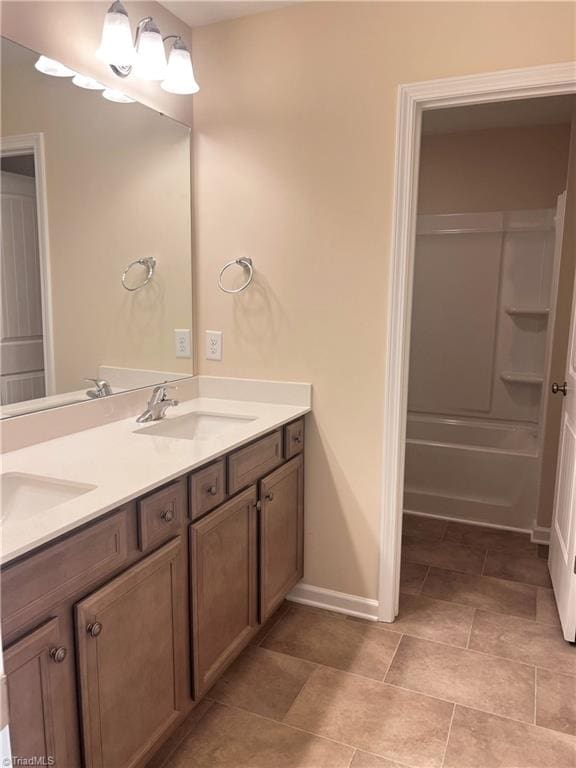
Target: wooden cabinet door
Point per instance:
(132, 645)
(35, 670)
(281, 534)
(224, 593)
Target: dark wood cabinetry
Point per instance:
(34, 667)
(131, 637)
(113, 631)
(223, 577)
(281, 534)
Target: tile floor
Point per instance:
(473, 674)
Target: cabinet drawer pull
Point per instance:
(167, 515)
(269, 496)
(296, 438)
(58, 654)
(94, 629)
(212, 490)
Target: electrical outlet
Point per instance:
(213, 345)
(182, 342)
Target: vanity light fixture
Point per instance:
(52, 67)
(146, 56)
(117, 96)
(87, 82)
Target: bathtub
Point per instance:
(480, 471)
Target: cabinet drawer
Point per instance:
(63, 569)
(294, 439)
(161, 515)
(207, 489)
(254, 461)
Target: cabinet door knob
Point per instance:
(94, 629)
(297, 438)
(58, 654)
(212, 490)
(269, 496)
(560, 388)
(167, 515)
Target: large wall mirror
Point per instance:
(89, 187)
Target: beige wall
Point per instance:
(560, 347)
(294, 144)
(118, 188)
(496, 169)
(70, 32)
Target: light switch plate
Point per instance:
(213, 345)
(182, 342)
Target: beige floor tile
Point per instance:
(423, 528)
(372, 716)
(522, 640)
(556, 701)
(412, 577)
(466, 677)
(163, 758)
(263, 682)
(482, 592)
(365, 760)
(230, 738)
(489, 538)
(433, 619)
(479, 740)
(443, 554)
(517, 566)
(267, 626)
(546, 610)
(351, 646)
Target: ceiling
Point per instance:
(198, 14)
(549, 110)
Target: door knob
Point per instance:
(560, 388)
(167, 515)
(212, 490)
(94, 629)
(58, 654)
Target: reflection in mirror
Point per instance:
(88, 187)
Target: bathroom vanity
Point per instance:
(116, 629)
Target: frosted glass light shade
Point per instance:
(180, 75)
(150, 54)
(117, 96)
(87, 82)
(52, 67)
(116, 45)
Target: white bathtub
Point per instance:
(484, 472)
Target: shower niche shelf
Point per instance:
(521, 377)
(528, 311)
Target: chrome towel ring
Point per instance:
(246, 264)
(149, 262)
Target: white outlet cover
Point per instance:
(213, 345)
(182, 342)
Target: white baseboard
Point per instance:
(540, 535)
(340, 602)
(481, 523)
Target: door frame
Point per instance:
(33, 144)
(413, 100)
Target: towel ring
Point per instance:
(243, 262)
(149, 262)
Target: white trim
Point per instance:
(470, 522)
(33, 143)
(413, 99)
(540, 535)
(339, 602)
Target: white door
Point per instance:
(21, 326)
(562, 558)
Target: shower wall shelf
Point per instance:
(528, 311)
(519, 377)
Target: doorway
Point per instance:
(414, 101)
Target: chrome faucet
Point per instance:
(158, 404)
(101, 388)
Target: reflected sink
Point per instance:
(196, 426)
(23, 496)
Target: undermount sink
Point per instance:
(23, 496)
(196, 426)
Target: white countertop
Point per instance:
(124, 465)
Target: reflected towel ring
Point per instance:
(243, 262)
(149, 262)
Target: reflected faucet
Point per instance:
(101, 389)
(158, 404)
